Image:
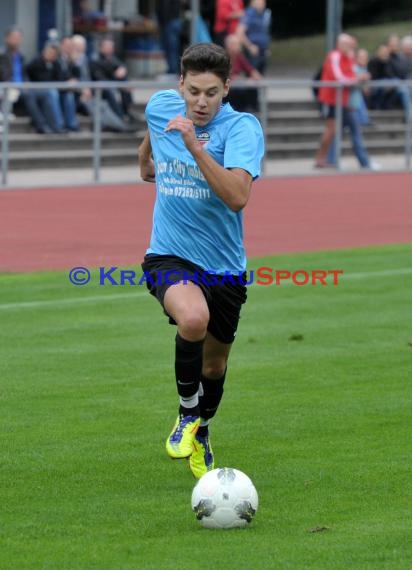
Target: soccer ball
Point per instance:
(224, 498)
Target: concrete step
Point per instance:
(274, 134)
(308, 149)
(19, 160)
(313, 132)
(311, 117)
(72, 141)
(31, 160)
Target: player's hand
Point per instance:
(186, 128)
(147, 170)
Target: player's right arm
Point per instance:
(146, 164)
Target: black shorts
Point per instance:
(224, 296)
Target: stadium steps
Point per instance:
(308, 149)
(64, 158)
(71, 141)
(294, 129)
(312, 116)
(310, 133)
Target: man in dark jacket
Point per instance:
(12, 70)
(45, 68)
(107, 67)
(401, 64)
(379, 67)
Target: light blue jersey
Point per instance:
(189, 220)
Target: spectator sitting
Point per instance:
(406, 73)
(45, 68)
(241, 98)
(68, 72)
(107, 67)
(254, 33)
(398, 62)
(110, 121)
(12, 69)
(379, 67)
(393, 44)
(81, 64)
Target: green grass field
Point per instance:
(322, 425)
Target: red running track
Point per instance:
(46, 229)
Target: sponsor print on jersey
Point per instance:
(203, 138)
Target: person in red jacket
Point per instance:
(338, 66)
(241, 98)
(227, 18)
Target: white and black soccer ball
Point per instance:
(224, 498)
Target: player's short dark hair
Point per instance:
(206, 57)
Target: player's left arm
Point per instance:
(232, 185)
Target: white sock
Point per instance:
(191, 401)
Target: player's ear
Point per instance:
(181, 84)
(226, 87)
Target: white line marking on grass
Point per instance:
(72, 301)
(146, 295)
(383, 273)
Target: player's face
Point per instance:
(203, 94)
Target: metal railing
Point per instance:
(263, 86)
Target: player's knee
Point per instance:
(194, 325)
(214, 368)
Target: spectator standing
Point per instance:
(339, 66)
(357, 100)
(241, 98)
(45, 68)
(227, 17)
(355, 116)
(107, 67)
(254, 33)
(168, 14)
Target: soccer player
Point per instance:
(203, 156)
